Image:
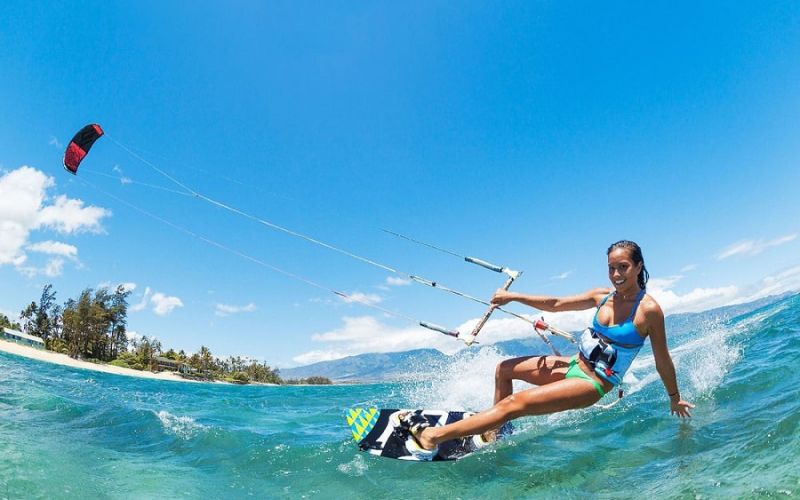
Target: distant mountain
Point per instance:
(379, 367)
(369, 367)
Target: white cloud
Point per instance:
(225, 310)
(164, 304)
(698, 299)
(688, 268)
(142, 304)
(703, 299)
(561, 276)
(787, 280)
(362, 298)
(367, 334)
(55, 143)
(55, 248)
(753, 247)
(24, 208)
(68, 215)
(661, 283)
(395, 281)
(51, 269)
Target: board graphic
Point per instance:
(375, 433)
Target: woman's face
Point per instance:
(622, 271)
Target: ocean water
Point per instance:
(68, 433)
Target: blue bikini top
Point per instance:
(622, 333)
(610, 350)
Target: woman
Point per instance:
(625, 317)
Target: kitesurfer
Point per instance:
(626, 315)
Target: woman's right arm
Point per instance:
(586, 300)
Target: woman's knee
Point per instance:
(511, 407)
(505, 369)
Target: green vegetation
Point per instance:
(309, 381)
(93, 327)
(6, 323)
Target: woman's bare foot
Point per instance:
(490, 436)
(418, 426)
(425, 442)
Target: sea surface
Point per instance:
(70, 433)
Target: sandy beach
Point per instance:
(63, 359)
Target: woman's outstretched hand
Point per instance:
(680, 408)
(501, 297)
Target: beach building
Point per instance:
(21, 338)
(171, 365)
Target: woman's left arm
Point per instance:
(664, 365)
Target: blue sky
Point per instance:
(531, 134)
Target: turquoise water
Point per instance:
(69, 433)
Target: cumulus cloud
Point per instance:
(25, 207)
(362, 298)
(703, 299)
(226, 310)
(51, 269)
(142, 304)
(363, 334)
(162, 304)
(754, 247)
(787, 280)
(395, 281)
(697, 300)
(68, 215)
(55, 248)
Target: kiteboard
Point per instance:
(377, 433)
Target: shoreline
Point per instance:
(64, 360)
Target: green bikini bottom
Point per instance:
(575, 371)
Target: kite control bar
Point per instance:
(512, 275)
(493, 267)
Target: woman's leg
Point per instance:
(537, 370)
(566, 394)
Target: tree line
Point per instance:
(93, 327)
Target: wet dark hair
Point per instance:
(636, 255)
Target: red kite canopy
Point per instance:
(80, 145)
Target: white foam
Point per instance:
(466, 382)
(704, 359)
(355, 467)
(183, 427)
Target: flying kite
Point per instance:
(80, 145)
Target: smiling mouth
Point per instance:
(619, 282)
